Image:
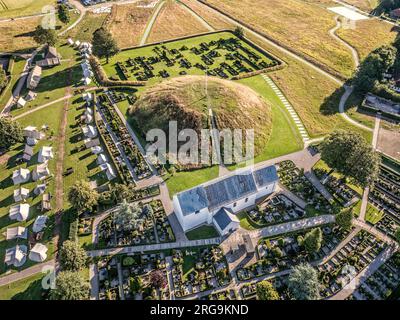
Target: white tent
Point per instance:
(70, 42)
(88, 119)
(87, 81)
(106, 167)
(77, 43)
(87, 73)
(16, 233)
(32, 132)
(87, 96)
(19, 212)
(21, 176)
(38, 253)
(39, 189)
(21, 194)
(16, 256)
(45, 154)
(88, 111)
(39, 224)
(101, 158)
(40, 172)
(89, 131)
(21, 102)
(96, 149)
(28, 150)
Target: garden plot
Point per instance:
(281, 253)
(136, 224)
(358, 253)
(294, 179)
(382, 283)
(143, 277)
(222, 55)
(127, 154)
(276, 209)
(199, 269)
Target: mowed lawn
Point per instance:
(203, 232)
(302, 26)
(174, 21)
(50, 117)
(19, 8)
(26, 289)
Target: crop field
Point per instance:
(226, 58)
(18, 8)
(302, 26)
(132, 20)
(174, 21)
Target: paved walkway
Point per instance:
(289, 108)
(154, 247)
(94, 282)
(151, 22)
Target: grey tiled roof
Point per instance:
(222, 218)
(265, 176)
(192, 200)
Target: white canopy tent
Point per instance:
(19, 212)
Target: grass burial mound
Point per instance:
(184, 100)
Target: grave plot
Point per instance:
(220, 54)
(120, 141)
(382, 283)
(143, 277)
(359, 252)
(281, 253)
(136, 224)
(199, 269)
(276, 209)
(230, 294)
(248, 290)
(387, 225)
(294, 180)
(385, 195)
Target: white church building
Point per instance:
(217, 201)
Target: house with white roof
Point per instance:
(19, 212)
(34, 77)
(32, 132)
(16, 233)
(21, 102)
(39, 189)
(96, 149)
(21, 175)
(38, 253)
(40, 172)
(101, 158)
(217, 201)
(70, 41)
(21, 194)
(109, 171)
(45, 154)
(16, 256)
(91, 143)
(39, 224)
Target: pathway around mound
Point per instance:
(151, 23)
(289, 108)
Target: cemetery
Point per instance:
(199, 269)
(275, 209)
(219, 54)
(281, 253)
(135, 224)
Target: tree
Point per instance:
(3, 78)
(82, 196)
(349, 154)
(136, 284)
(266, 291)
(70, 286)
(239, 32)
(127, 217)
(303, 282)
(157, 279)
(121, 192)
(312, 240)
(10, 132)
(63, 14)
(104, 46)
(73, 257)
(45, 36)
(397, 235)
(344, 219)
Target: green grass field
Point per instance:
(26, 289)
(15, 73)
(19, 8)
(203, 232)
(373, 215)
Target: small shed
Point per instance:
(89, 131)
(96, 149)
(248, 244)
(16, 256)
(106, 167)
(39, 189)
(16, 233)
(40, 172)
(39, 224)
(21, 176)
(21, 102)
(45, 154)
(101, 158)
